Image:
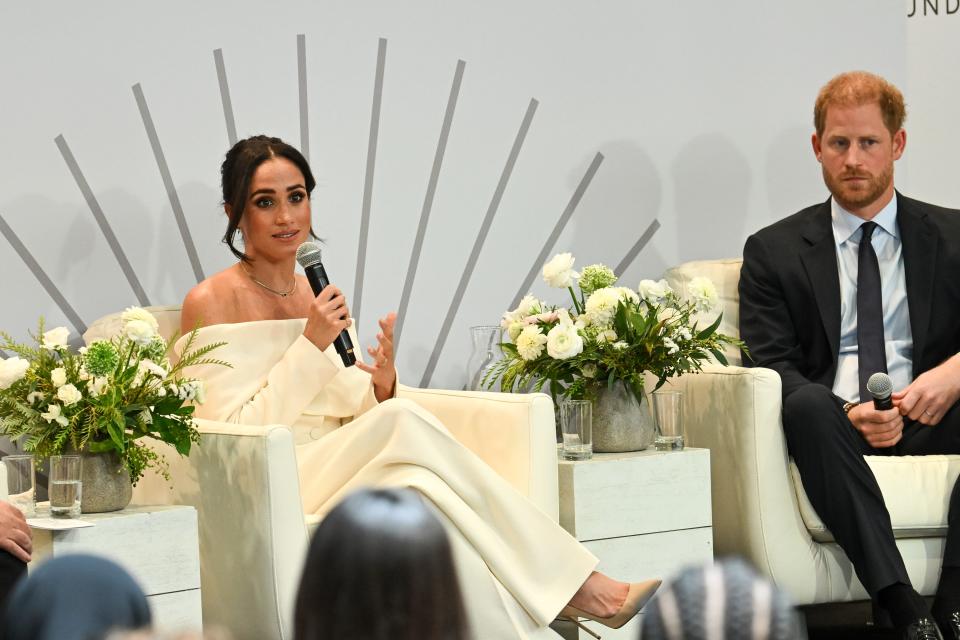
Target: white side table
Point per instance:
(158, 545)
(643, 514)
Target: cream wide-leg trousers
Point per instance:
(517, 567)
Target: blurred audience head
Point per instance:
(380, 567)
(724, 601)
(75, 596)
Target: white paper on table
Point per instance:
(57, 524)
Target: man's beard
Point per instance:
(854, 198)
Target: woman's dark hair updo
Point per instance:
(237, 171)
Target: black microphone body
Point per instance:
(882, 404)
(317, 276)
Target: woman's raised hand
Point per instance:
(382, 370)
(328, 316)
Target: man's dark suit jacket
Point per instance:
(790, 292)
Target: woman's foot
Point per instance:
(608, 601)
(600, 595)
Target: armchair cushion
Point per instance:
(915, 488)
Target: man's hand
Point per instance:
(15, 535)
(879, 428)
(932, 394)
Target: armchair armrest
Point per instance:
(244, 484)
(736, 413)
(514, 433)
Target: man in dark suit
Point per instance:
(868, 281)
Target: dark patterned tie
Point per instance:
(871, 349)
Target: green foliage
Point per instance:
(125, 390)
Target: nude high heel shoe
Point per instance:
(638, 595)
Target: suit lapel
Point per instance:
(920, 245)
(820, 261)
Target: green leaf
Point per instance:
(722, 359)
(706, 333)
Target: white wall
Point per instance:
(702, 110)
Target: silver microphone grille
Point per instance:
(879, 385)
(308, 254)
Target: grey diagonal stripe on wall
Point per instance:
(368, 179)
(42, 276)
(557, 229)
(302, 84)
(225, 96)
(168, 182)
(478, 243)
(102, 221)
(637, 247)
(428, 202)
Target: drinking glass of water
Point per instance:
(65, 486)
(576, 425)
(21, 481)
(668, 407)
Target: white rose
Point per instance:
(559, 271)
(12, 370)
(530, 342)
(69, 395)
(140, 331)
(564, 342)
(703, 292)
(55, 338)
(509, 318)
(53, 413)
(58, 377)
(654, 292)
(142, 315)
(602, 305)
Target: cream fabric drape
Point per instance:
(518, 568)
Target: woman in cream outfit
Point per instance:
(518, 568)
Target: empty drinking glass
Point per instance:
(668, 407)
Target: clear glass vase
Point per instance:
(485, 354)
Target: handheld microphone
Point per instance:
(880, 387)
(308, 255)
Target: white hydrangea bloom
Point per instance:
(12, 370)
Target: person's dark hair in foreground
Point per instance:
(380, 567)
(725, 601)
(75, 597)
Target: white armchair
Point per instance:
(760, 510)
(243, 481)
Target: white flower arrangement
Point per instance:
(610, 334)
(103, 398)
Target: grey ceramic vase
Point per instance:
(620, 423)
(106, 483)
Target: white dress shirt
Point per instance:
(897, 334)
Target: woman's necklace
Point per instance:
(282, 294)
